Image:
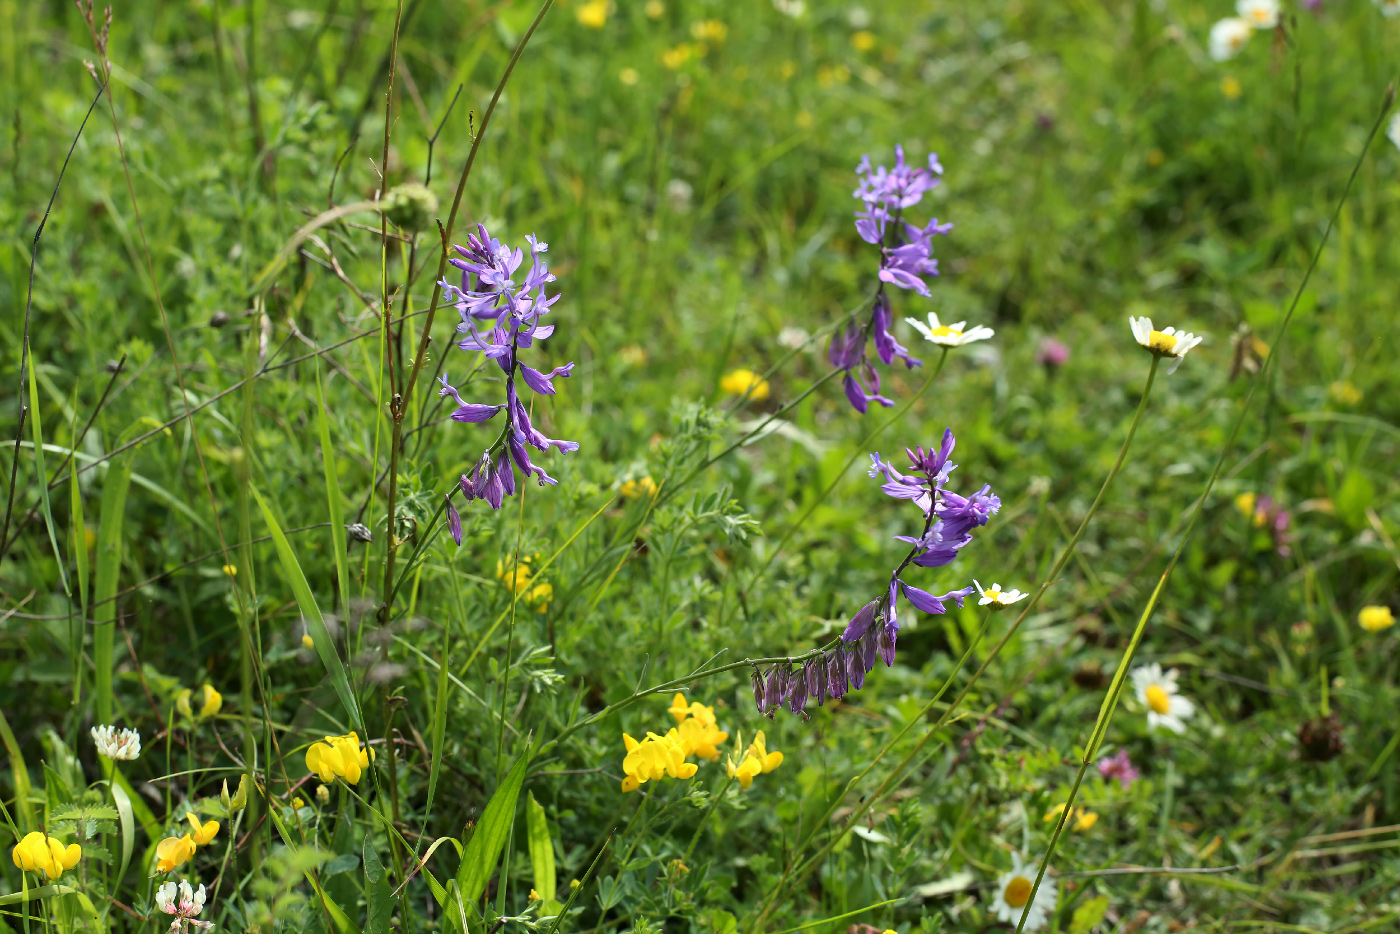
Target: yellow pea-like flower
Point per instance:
(39, 853)
(338, 757)
(173, 852)
(202, 834)
(211, 703)
(768, 761)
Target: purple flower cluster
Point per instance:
(1119, 767)
(906, 256)
(873, 632)
(499, 319)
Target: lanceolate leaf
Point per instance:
(489, 838)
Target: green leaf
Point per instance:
(80, 558)
(20, 771)
(128, 821)
(36, 424)
(378, 892)
(83, 812)
(1353, 497)
(439, 725)
(333, 501)
(104, 588)
(541, 848)
(315, 623)
(489, 838)
(1088, 914)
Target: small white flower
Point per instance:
(949, 335)
(1260, 14)
(793, 337)
(116, 744)
(182, 901)
(1168, 342)
(1393, 131)
(793, 8)
(1014, 890)
(997, 598)
(1227, 37)
(165, 898)
(1389, 7)
(1158, 693)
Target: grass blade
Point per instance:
(80, 558)
(20, 772)
(333, 501)
(36, 425)
(484, 848)
(104, 588)
(315, 622)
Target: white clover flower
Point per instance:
(1389, 7)
(1165, 343)
(180, 900)
(1228, 36)
(1158, 692)
(1260, 14)
(949, 335)
(997, 598)
(1014, 890)
(1393, 131)
(116, 744)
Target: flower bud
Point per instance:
(410, 206)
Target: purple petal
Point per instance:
(475, 412)
(859, 623)
(454, 521)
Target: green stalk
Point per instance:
(1115, 688)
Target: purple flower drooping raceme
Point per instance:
(500, 318)
(873, 632)
(906, 256)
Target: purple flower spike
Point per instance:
(815, 671)
(454, 521)
(501, 311)
(758, 691)
(837, 676)
(884, 643)
(797, 696)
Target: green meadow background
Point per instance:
(691, 165)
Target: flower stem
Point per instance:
(1115, 688)
(706, 819)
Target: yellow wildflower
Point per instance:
(1245, 503)
(1344, 392)
(863, 41)
(212, 704)
(680, 710)
(231, 570)
(517, 579)
(698, 738)
(655, 9)
(306, 641)
(173, 852)
(39, 853)
(709, 30)
(539, 596)
(202, 834)
(756, 761)
(1230, 86)
(759, 750)
(298, 803)
(1375, 618)
(628, 76)
(1086, 820)
(593, 14)
(641, 488)
(675, 58)
(653, 758)
(534, 896)
(745, 771)
(738, 382)
(338, 757)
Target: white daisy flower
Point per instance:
(1158, 693)
(1389, 7)
(1260, 14)
(1393, 131)
(1014, 890)
(997, 598)
(117, 744)
(949, 335)
(1165, 343)
(1228, 36)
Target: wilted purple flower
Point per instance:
(1119, 766)
(837, 675)
(500, 317)
(1051, 354)
(454, 521)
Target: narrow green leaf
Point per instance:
(439, 728)
(128, 821)
(541, 848)
(489, 838)
(104, 588)
(378, 892)
(337, 513)
(36, 426)
(20, 772)
(315, 623)
(139, 809)
(80, 557)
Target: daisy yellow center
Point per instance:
(1161, 343)
(1018, 892)
(1157, 699)
(994, 593)
(1259, 16)
(944, 331)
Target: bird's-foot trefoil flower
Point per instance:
(1158, 692)
(1014, 891)
(173, 852)
(38, 853)
(1375, 618)
(755, 761)
(500, 318)
(116, 744)
(1169, 342)
(211, 702)
(339, 757)
(202, 834)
